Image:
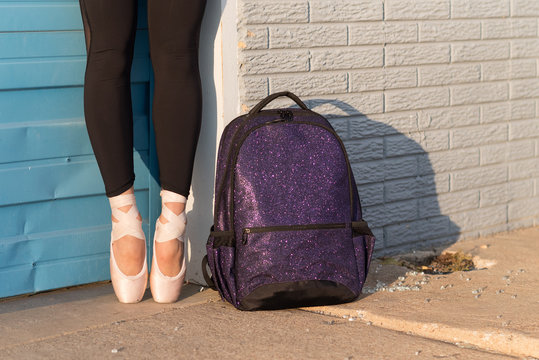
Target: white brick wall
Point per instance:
(437, 102)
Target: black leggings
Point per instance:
(174, 29)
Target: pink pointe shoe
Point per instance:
(167, 289)
(128, 288)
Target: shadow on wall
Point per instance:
(200, 216)
(396, 183)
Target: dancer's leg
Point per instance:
(109, 28)
(174, 31)
(110, 34)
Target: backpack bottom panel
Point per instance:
(293, 294)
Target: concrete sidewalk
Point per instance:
(491, 313)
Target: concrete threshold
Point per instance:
(495, 308)
(46, 315)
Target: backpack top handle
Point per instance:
(271, 97)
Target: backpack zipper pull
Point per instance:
(244, 237)
(286, 115)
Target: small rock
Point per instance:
(477, 291)
(418, 352)
(505, 277)
(514, 296)
(427, 300)
(477, 296)
(401, 278)
(499, 316)
(369, 323)
(468, 279)
(351, 319)
(484, 246)
(500, 291)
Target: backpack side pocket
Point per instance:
(221, 259)
(363, 240)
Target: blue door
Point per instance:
(54, 214)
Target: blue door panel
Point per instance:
(63, 214)
(52, 72)
(49, 179)
(55, 44)
(55, 139)
(55, 217)
(44, 15)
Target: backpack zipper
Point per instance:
(258, 229)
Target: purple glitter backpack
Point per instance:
(288, 229)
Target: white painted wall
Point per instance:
(218, 68)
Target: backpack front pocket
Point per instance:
(296, 265)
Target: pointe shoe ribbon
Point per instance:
(128, 288)
(175, 227)
(166, 289)
(128, 223)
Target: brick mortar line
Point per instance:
(487, 41)
(395, 20)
